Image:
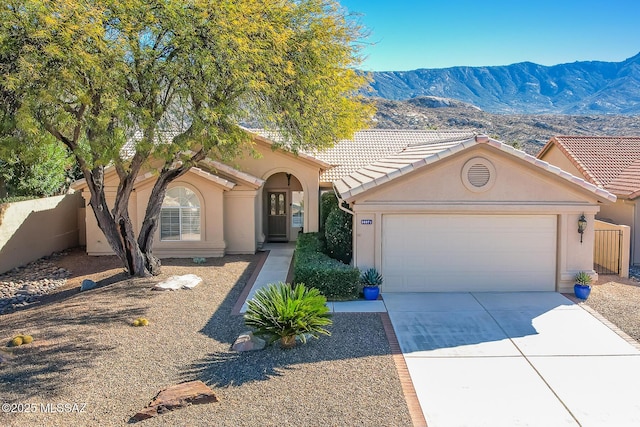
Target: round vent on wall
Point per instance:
(478, 174)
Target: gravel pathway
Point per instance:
(86, 352)
(618, 300)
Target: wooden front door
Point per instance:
(277, 216)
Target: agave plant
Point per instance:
(371, 277)
(282, 312)
(583, 278)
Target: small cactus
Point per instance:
(17, 341)
(140, 321)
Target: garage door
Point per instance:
(451, 253)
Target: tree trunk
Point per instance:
(117, 227)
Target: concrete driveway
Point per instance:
(514, 359)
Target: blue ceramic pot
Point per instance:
(371, 292)
(582, 291)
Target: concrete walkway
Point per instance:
(506, 359)
(276, 268)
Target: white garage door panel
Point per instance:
(444, 253)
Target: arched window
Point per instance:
(180, 215)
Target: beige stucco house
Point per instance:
(608, 162)
(472, 215)
(433, 211)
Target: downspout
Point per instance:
(340, 202)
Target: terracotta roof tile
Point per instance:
(370, 145)
(610, 162)
(415, 157)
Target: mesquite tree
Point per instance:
(173, 78)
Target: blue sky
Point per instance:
(411, 34)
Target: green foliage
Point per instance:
(92, 74)
(33, 170)
(371, 277)
(328, 202)
(338, 235)
(15, 199)
(336, 280)
(27, 339)
(583, 278)
(281, 311)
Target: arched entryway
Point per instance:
(284, 207)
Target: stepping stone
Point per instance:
(176, 397)
(248, 342)
(186, 281)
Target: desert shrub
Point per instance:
(284, 312)
(328, 202)
(338, 235)
(334, 279)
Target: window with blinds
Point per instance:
(180, 215)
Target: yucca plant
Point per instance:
(284, 312)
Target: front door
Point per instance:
(277, 216)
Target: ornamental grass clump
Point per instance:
(284, 312)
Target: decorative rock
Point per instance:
(248, 342)
(22, 286)
(87, 284)
(176, 397)
(186, 281)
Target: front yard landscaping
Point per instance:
(86, 352)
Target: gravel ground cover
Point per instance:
(618, 300)
(85, 352)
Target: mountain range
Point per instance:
(578, 88)
(526, 131)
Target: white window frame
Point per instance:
(188, 217)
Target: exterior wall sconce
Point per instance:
(582, 225)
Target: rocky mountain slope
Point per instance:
(525, 131)
(579, 88)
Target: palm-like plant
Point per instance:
(280, 311)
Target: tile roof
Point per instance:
(610, 162)
(367, 146)
(416, 157)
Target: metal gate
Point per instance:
(607, 251)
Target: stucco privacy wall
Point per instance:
(520, 188)
(35, 228)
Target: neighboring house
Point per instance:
(473, 215)
(434, 211)
(611, 163)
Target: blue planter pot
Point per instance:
(371, 292)
(582, 291)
